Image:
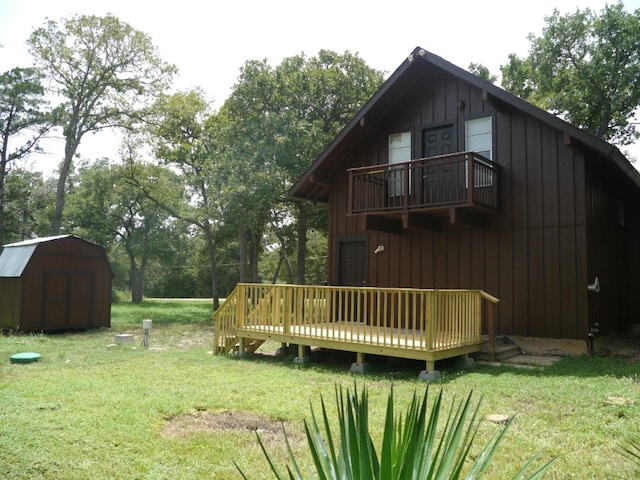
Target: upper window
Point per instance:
(479, 136)
(400, 147)
(399, 151)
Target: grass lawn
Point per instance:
(89, 410)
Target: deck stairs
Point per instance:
(253, 346)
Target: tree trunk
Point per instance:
(302, 244)
(3, 172)
(134, 278)
(243, 240)
(212, 265)
(4, 160)
(71, 145)
(255, 253)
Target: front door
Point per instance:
(438, 141)
(352, 272)
(352, 263)
(438, 179)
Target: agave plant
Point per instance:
(631, 451)
(411, 448)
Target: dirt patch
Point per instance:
(620, 346)
(186, 424)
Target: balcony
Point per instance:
(423, 193)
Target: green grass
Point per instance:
(88, 410)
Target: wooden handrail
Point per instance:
(386, 318)
(461, 178)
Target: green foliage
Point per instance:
(22, 108)
(586, 68)
(23, 119)
(483, 72)
(281, 118)
(27, 203)
(413, 446)
(109, 211)
(105, 71)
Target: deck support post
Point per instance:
(465, 362)
(360, 366)
(302, 359)
(242, 345)
(430, 373)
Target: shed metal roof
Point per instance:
(14, 260)
(35, 241)
(15, 256)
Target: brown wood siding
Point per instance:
(10, 302)
(532, 255)
(608, 255)
(87, 277)
(632, 219)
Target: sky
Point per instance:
(209, 41)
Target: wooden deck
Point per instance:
(418, 324)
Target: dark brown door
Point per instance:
(352, 263)
(439, 179)
(68, 299)
(438, 141)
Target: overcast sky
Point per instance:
(209, 41)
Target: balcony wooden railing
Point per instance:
(406, 323)
(423, 184)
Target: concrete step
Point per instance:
(504, 349)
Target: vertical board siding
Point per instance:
(532, 255)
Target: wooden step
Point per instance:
(253, 346)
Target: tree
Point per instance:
(185, 136)
(483, 72)
(586, 68)
(105, 71)
(282, 117)
(22, 106)
(27, 200)
(114, 213)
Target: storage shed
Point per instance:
(55, 283)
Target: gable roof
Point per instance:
(311, 186)
(16, 256)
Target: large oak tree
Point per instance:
(584, 67)
(282, 118)
(104, 71)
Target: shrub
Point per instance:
(411, 446)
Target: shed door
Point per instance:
(68, 299)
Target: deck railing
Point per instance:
(423, 184)
(407, 319)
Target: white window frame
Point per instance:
(478, 136)
(399, 152)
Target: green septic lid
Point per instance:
(25, 357)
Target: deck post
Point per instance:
(242, 345)
(491, 327)
(302, 359)
(360, 366)
(430, 373)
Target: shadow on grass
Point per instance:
(583, 366)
